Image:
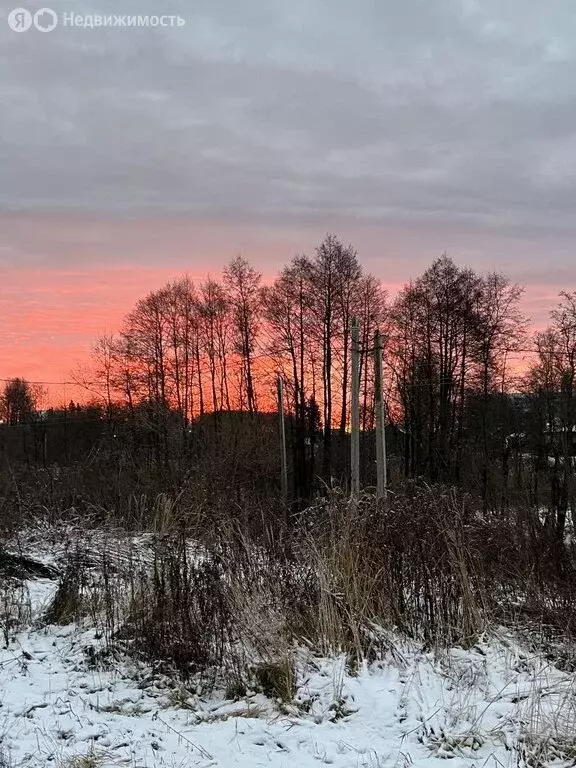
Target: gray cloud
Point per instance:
(452, 113)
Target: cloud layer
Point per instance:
(458, 112)
(128, 156)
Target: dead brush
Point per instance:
(231, 610)
(277, 680)
(218, 603)
(406, 565)
(68, 603)
(350, 594)
(92, 587)
(548, 717)
(178, 616)
(342, 576)
(162, 514)
(261, 629)
(15, 609)
(94, 758)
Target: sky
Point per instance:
(130, 156)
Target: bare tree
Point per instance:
(500, 330)
(326, 285)
(348, 294)
(438, 316)
(371, 310)
(214, 313)
(18, 402)
(288, 313)
(553, 378)
(242, 282)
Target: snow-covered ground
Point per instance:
(65, 702)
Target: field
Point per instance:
(93, 674)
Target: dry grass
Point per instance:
(549, 721)
(94, 758)
(15, 609)
(216, 603)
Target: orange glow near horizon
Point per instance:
(66, 279)
(51, 319)
(48, 329)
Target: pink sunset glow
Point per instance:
(66, 280)
(129, 160)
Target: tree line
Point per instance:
(458, 410)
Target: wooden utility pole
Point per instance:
(381, 475)
(282, 428)
(355, 414)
